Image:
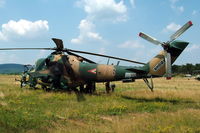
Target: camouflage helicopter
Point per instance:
(70, 71)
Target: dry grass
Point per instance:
(174, 106)
(159, 122)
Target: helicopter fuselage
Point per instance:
(69, 71)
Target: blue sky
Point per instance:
(102, 26)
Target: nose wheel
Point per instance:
(109, 87)
(90, 88)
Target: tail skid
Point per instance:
(149, 83)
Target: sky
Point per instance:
(108, 27)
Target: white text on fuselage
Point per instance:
(159, 65)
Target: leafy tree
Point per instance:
(186, 69)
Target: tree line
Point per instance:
(186, 69)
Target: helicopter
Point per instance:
(64, 69)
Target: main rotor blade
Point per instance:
(168, 65)
(181, 31)
(87, 60)
(149, 38)
(27, 48)
(59, 43)
(107, 56)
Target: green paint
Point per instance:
(145, 68)
(179, 44)
(120, 72)
(85, 71)
(39, 65)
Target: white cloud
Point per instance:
(180, 9)
(87, 33)
(132, 3)
(42, 53)
(8, 58)
(173, 5)
(102, 51)
(131, 44)
(194, 12)
(174, 1)
(105, 10)
(193, 47)
(172, 27)
(2, 3)
(98, 10)
(23, 29)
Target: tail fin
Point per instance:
(157, 64)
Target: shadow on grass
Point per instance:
(80, 96)
(157, 99)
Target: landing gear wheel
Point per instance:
(81, 88)
(113, 87)
(110, 87)
(107, 87)
(90, 87)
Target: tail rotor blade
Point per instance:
(181, 30)
(168, 65)
(167, 45)
(149, 38)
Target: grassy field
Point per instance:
(174, 107)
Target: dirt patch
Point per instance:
(107, 118)
(2, 95)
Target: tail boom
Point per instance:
(157, 64)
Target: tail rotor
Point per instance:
(166, 45)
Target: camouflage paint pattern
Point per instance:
(75, 72)
(157, 64)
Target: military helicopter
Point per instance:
(64, 69)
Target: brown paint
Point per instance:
(105, 72)
(74, 64)
(57, 57)
(154, 62)
(44, 72)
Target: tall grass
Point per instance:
(174, 106)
